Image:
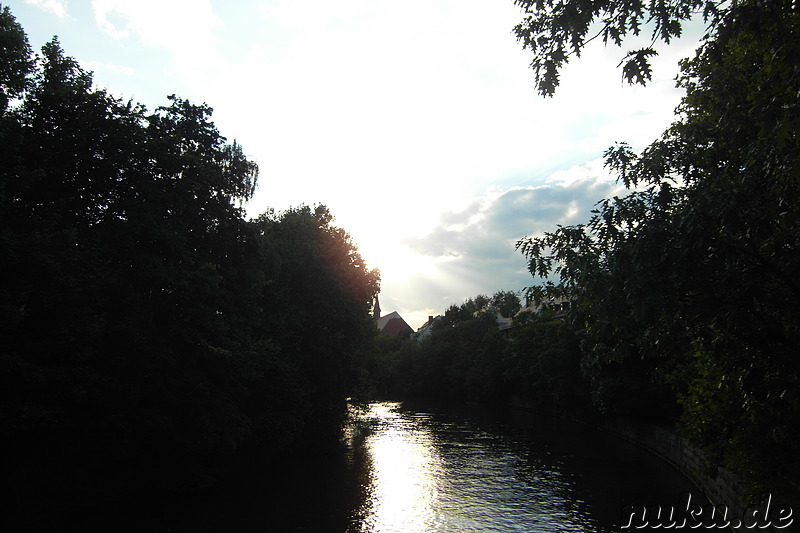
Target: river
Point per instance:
(433, 468)
(472, 469)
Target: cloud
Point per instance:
(473, 250)
(496, 217)
(185, 28)
(95, 66)
(396, 116)
(55, 7)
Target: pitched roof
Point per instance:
(425, 330)
(392, 324)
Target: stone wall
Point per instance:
(720, 486)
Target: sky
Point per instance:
(416, 123)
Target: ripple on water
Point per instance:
(442, 471)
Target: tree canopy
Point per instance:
(15, 58)
(693, 275)
(468, 357)
(555, 31)
(150, 332)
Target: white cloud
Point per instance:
(417, 123)
(55, 7)
(472, 250)
(96, 66)
(184, 28)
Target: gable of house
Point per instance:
(393, 324)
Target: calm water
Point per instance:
(470, 469)
(420, 468)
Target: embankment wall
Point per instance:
(719, 485)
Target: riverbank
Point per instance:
(720, 486)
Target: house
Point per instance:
(559, 307)
(503, 323)
(391, 324)
(425, 329)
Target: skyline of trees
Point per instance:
(151, 335)
(690, 279)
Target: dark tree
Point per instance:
(150, 332)
(693, 274)
(555, 31)
(506, 302)
(15, 58)
(316, 302)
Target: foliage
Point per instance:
(506, 303)
(543, 366)
(15, 58)
(391, 363)
(557, 30)
(467, 357)
(324, 290)
(692, 276)
(461, 360)
(150, 333)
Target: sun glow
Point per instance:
(396, 261)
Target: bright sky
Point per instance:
(415, 122)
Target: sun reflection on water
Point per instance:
(402, 487)
(442, 472)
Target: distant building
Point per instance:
(503, 323)
(376, 309)
(425, 329)
(558, 306)
(391, 324)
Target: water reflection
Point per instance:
(403, 472)
(425, 475)
(439, 471)
(421, 469)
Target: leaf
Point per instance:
(636, 67)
